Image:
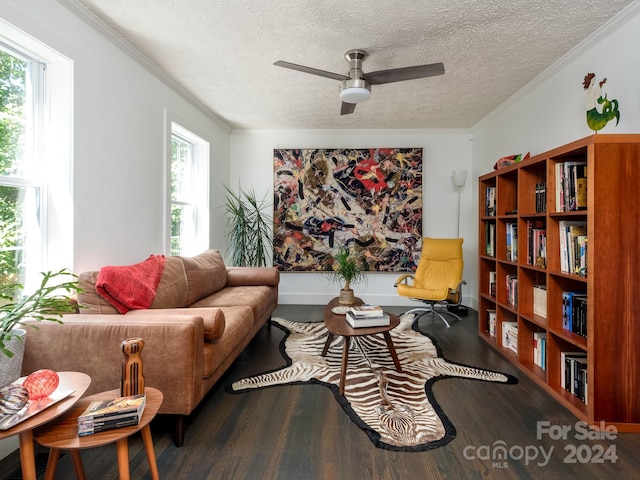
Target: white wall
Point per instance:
(118, 139)
(443, 152)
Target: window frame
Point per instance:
(200, 187)
(51, 151)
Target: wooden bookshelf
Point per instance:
(611, 282)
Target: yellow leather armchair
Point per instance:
(437, 281)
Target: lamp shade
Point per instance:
(459, 178)
(354, 94)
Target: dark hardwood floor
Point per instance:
(300, 431)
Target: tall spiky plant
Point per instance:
(249, 240)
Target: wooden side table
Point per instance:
(63, 435)
(76, 381)
(337, 325)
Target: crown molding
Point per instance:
(97, 24)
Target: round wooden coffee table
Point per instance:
(337, 325)
(63, 435)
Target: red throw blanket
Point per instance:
(131, 287)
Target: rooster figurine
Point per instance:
(598, 119)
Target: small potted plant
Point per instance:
(48, 302)
(346, 270)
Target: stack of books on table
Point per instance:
(367, 316)
(118, 412)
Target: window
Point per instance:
(189, 214)
(22, 199)
(36, 202)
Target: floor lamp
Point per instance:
(459, 180)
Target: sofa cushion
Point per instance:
(239, 321)
(88, 299)
(213, 318)
(261, 300)
(206, 274)
(172, 289)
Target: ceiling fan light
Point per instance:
(354, 94)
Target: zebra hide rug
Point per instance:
(398, 411)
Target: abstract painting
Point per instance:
(365, 200)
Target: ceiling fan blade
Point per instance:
(312, 71)
(347, 108)
(402, 74)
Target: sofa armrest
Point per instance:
(243, 276)
(172, 354)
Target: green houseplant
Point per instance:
(346, 270)
(249, 240)
(48, 302)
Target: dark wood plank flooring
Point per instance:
(300, 432)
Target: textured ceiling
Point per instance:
(222, 52)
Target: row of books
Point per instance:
(540, 300)
(536, 243)
(103, 415)
(367, 316)
(541, 197)
(573, 247)
(490, 202)
(571, 186)
(512, 242)
(574, 312)
(573, 374)
(540, 349)
(510, 336)
(512, 290)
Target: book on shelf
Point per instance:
(512, 242)
(510, 336)
(491, 239)
(361, 322)
(512, 290)
(578, 374)
(490, 202)
(367, 311)
(491, 321)
(541, 197)
(492, 283)
(540, 300)
(540, 349)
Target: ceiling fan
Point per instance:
(356, 85)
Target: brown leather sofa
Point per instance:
(202, 316)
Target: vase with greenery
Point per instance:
(48, 302)
(249, 237)
(346, 270)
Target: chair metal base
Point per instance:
(431, 309)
